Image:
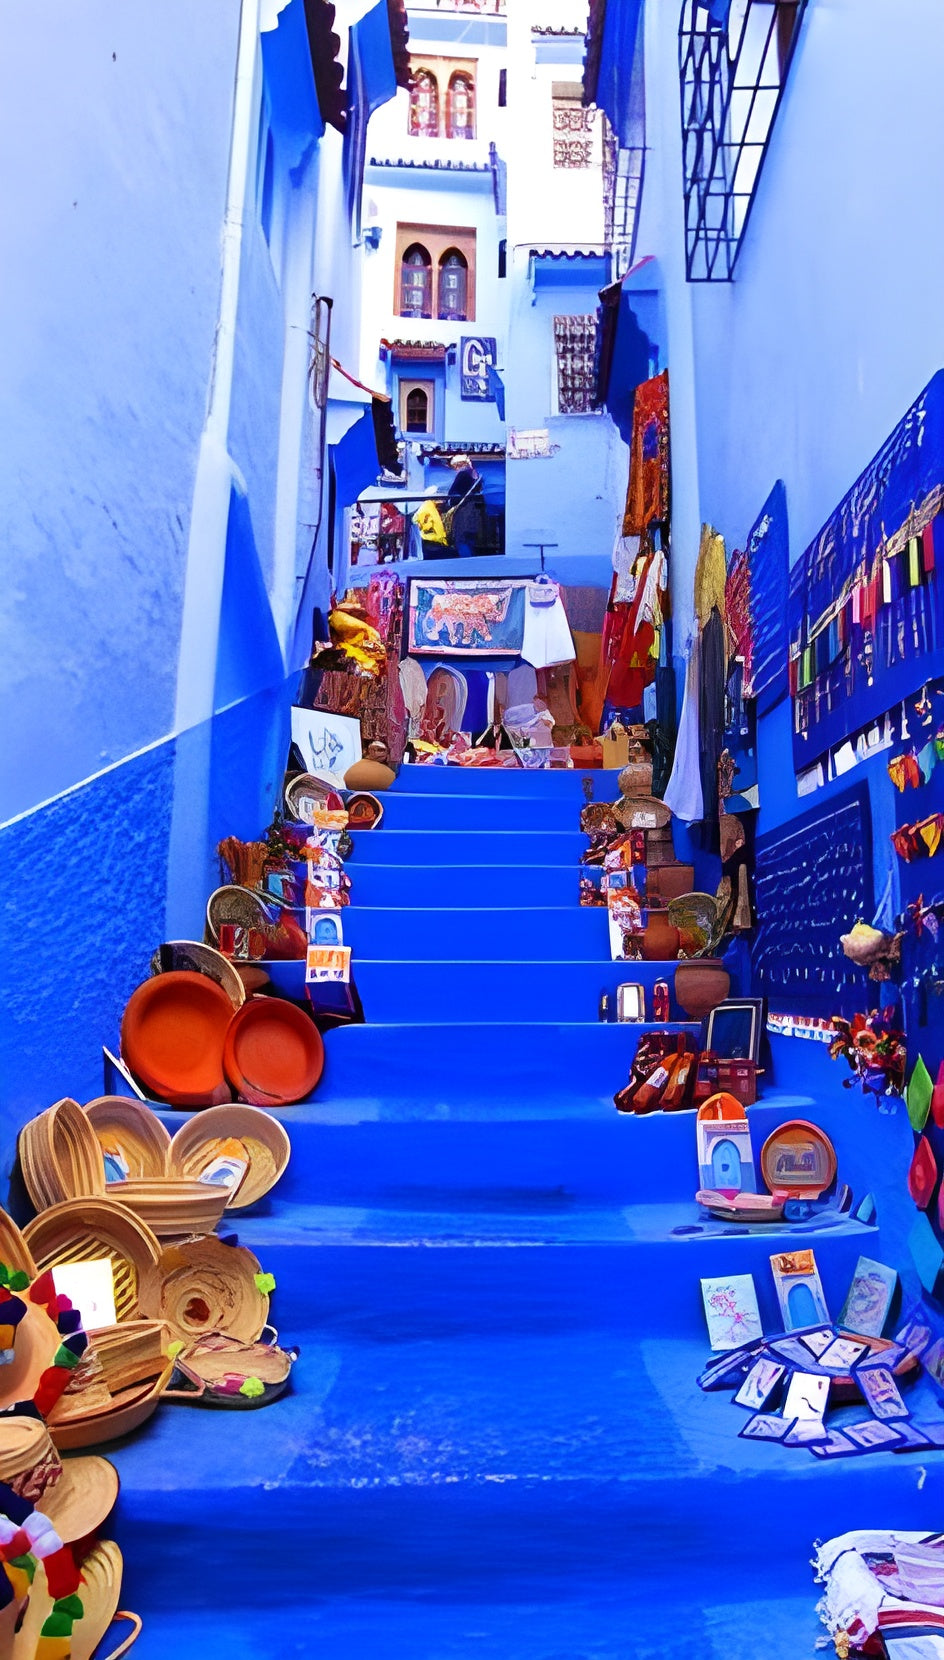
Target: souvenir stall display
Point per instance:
(787, 1382)
(634, 639)
(499, 687)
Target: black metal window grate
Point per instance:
(575, 344)
(732, 75)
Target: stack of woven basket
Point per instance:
(191, 1309)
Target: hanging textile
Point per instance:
(647, 498)
(710, 575)
(711, 714)
(635, 644)
(683, 791)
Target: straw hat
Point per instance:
(59, 1155)
(81, 1230)
(206, 1286)
(76, 1495)
(101, 1569)
(131, 1129)
(199, 1141)
(118, 1384)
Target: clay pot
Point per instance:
(660, 941)
(369, 775)
(700, 985)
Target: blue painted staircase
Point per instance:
(494, 1445)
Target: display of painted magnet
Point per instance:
(799, 1158)
(799, 1289)
(723, 1139)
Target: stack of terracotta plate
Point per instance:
(191, 1043)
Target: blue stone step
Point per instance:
(446, 991)
(481, 1460)
(538, 785)
(429, 849)
(441, 812)
(545, 1261)
(650, 1609)
(462, 884)
(480, 933)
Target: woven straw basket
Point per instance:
(78, 1230)
(265, 1140)
(206, 1286)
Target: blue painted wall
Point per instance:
(115, 155)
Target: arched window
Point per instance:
(453, 285)
(417, 410)
(416, 283)
(460, 106)
(424, 105)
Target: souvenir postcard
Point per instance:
(796, 1350)
(732, 1368)
(807, 1396)
(799, 1289)
(328, 962)
(869, 1298)
(731, 1311)
(913, 1439)
(806, 1432)
(90, 1287)
(765, 1426)
(882, 1394)
(817, 1339)
(872, 1436)
(836, 1445)
(323, 927)
(914, 1334)
(914, 1645)
(931, 1428)
(842, 1354)
(762, 1380)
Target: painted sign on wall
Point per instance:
(477, 352)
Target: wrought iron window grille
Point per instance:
(623, 174)
(731, 75)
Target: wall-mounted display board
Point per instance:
(865, 603)
(813, 880)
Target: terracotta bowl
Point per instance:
(172, 1037)
(274, 1053)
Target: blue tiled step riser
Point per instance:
(552, 784)
(407, 992)
(443, 812)
(488, 1536)
(610, 1158)
(428, 850)
(471, 884)
(392, 1290)
(482, 933)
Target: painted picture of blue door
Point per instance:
(725, 1165)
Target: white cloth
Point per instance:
(547, 637)
(683, 795)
